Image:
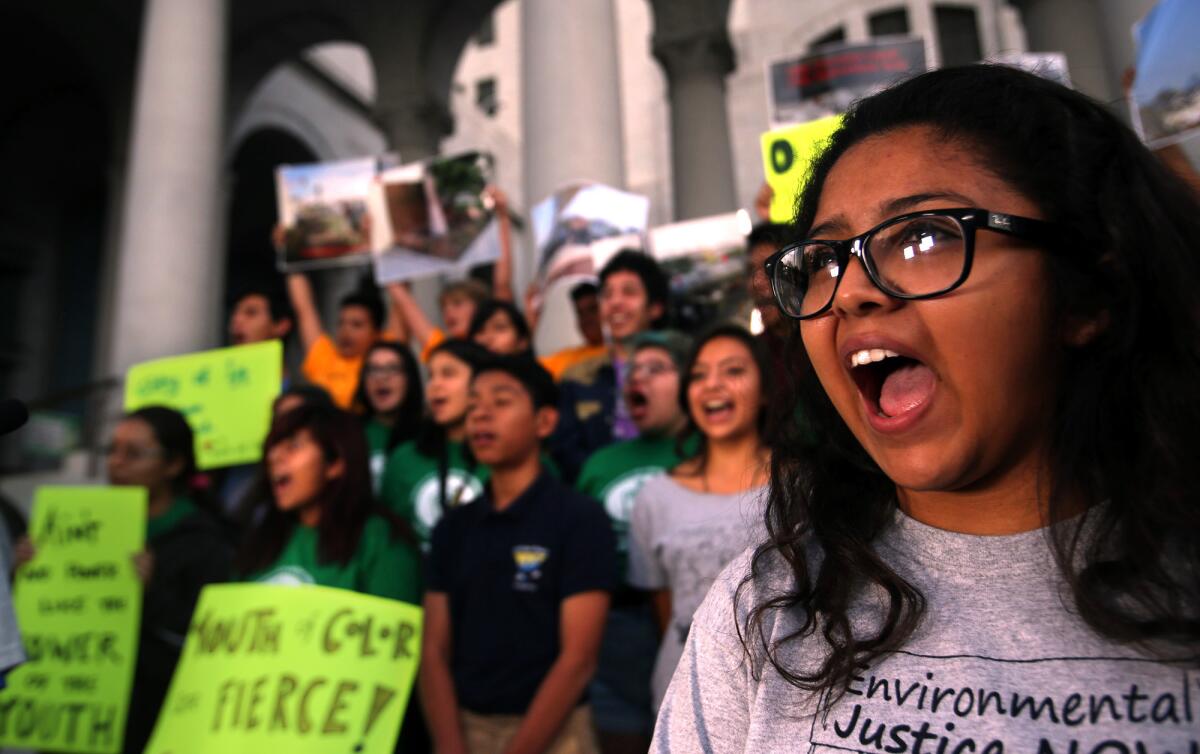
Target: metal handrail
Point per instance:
(97, 395)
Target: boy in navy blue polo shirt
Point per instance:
(518, 585)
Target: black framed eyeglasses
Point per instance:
(914, 256)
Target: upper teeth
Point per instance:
(714, 405)
(870, 356)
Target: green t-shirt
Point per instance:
(614, 474)
(381, 565)
(181, 508)
(377, 440)
(410, 485)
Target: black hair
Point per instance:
(1124, 416)
(771, 234)
(691, 444)
(346, 502)
(654, 280)
(408, 413)
(278, 306)
(583, 290)
(368, 300)
(173, 433)
(309, 395)
(431, 439)
(526, 370)
(484, 312)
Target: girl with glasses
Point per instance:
(392, 400)
(186, 549)
(993, 542)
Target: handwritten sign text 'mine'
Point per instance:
(78, 604)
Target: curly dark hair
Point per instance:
(1125, 411)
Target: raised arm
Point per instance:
(1177, 160)
(308, 319)
(502, 289)
(396, 327)
(435, 683)
(660, 601)
(408, 311)
(533, 305)
(581, 624)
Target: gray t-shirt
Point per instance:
(12, 650)
(997, 665)
(680, 540)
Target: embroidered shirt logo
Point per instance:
(585, 409)
(529, 560)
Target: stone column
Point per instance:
(696, 64)
(571, 120)
(1074, 28)
(414, 124)
(167, 298)
(571, 98)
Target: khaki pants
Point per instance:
(489, 734)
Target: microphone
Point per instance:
(13, 415)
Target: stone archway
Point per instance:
(249, 256)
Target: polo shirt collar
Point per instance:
(524, 502)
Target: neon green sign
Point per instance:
(225, 394)
(291, 668)
(79, 605)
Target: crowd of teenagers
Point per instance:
(958, 459)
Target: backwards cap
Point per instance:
(673, 342)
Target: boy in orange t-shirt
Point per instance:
(334, 363)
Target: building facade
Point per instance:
(142, 135)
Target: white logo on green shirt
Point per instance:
(289, 575)
(461, 488)
(619, 496)
(378, 464)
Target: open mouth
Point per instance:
(436, 404)
(891, 385)
(638, 403)
(482, 439)
(717, 409)
(280, 482)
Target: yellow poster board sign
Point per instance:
(788, 153)
(225, 394)
(79, 606)
(299, 669)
